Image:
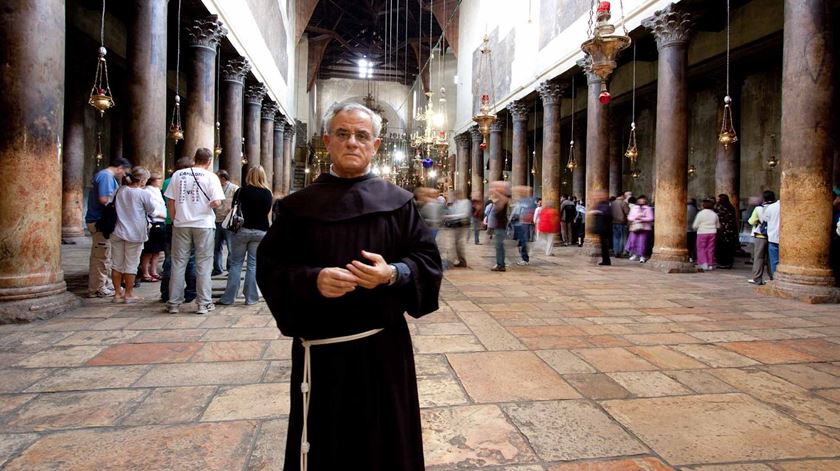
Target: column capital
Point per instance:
(206, 32)
(289, 131)
(279, 122)
(551, 92)
(672, 26)
(235, 70)
(498, 126)
(586, 64)
(463, 139)
(254, 94)
(518, 110)
(269, 108)
(476, 135)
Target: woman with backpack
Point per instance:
(254, 200)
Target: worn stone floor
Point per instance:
(557, 366)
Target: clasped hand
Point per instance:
(334, 282)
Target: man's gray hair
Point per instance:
(352, 106)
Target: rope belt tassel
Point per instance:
(306, 385)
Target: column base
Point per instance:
(671, 260)
(28, 310)
(69, 232)
(806, 288)
(591, 249)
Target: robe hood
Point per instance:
(331, 198)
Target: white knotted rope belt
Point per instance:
(306, 385)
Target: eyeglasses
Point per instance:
(362, 137)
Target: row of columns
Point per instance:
(43, 137)
(806, 162)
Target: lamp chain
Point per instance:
(102, 26)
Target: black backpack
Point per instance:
(108, 222)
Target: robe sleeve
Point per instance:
(286, 285)
(423, 258)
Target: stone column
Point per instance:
(233, 81)
(31, 279)
(804, 272)
(199, 126)
(73, 168)
(477, 162)
(267, 139)
(616, 153)
(597, 155)
(288, 158)
(145, 126)
(672, 29)
(519, 152)
(462, 145)
(551, 93)
(253, 109)
(497, 150)
(277, 178)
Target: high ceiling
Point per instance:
(342, 32)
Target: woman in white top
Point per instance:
(706, 223)
(157, 232)
(133, 204)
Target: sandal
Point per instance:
(148, 278)
(157, 277)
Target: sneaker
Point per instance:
(498, 268)
(633, 258)
(642, 260)
(523, 262)
(173, 308)
(755, 282)
(103, 293)
(205, 308)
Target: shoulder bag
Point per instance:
(234, 219)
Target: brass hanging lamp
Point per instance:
(176, 132)
(632, 152)
(772, 161)
(727, 135)
(604, 45)
(572, 162)
(485, 117)
(217, 149)
(100, 93)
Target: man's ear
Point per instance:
(327, 139)
(376, 143)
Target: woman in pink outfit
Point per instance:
(706, 224)
(640, 220)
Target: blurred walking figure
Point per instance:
(537, 212)
(727, 237)
(640, 222)
(522, 219)
(568, 212)
(477, 218)
(255, 201)
(431, 208)
(761, 262)
(619, 209)
(500, 199)
(458, 221)
(602, 218)
(548, 226)
(706, 224)
(691, 233)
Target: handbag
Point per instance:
(234, 219)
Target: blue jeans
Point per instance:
(773, 251)
(619, 238)
(223, 237)
(500, 247)
(523, 232)
(245, 242)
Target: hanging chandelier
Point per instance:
(604, 45)
(176, 132)
(572, 163)
(100, 93)
(727, 135)
(632, 152)
(485, 117)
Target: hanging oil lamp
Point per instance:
(485, 117)
(176, 132)
(217, 151)
(604, 45)
(100, 93)
(242, 157)
(727, 135)
(572, 164)
(772, 161)
(98, 149)
(636, 173)
(692, 170)
(632, 152)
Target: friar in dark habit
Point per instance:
(345, 259)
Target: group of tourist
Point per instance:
(183, 217)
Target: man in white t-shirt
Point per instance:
(191, 196)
